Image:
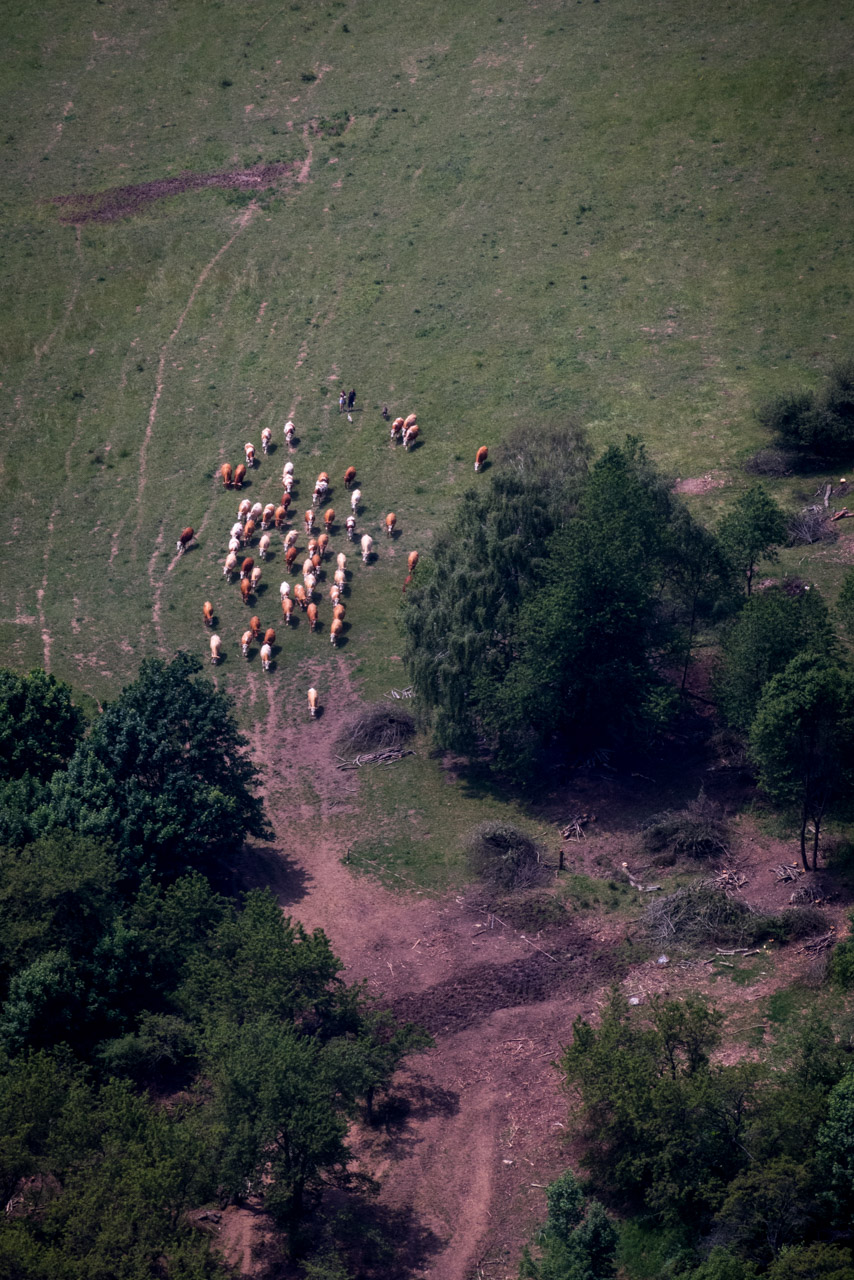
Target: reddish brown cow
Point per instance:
(323, 543)
(208, 613)
(226, 473)
(290, 557)
(184, 540)
(245, 590)
(329, 519)
(349, 477)
(390, 522)
(255, 626)
(270, 636)
(239, 476)
(480, 457)
(312, 614)
(301, 598)
(247, 567)
(279, 517)
(412, 560)
(287, 609)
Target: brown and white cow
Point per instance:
(266, 657)
(412, 560)
(255, 626)
(397, 429)
(322, 544)
(329, 519)
(312, 615)
(208, 613)
(266, 437)
(480, 457)
(351, 528)
(256, 577)
(245, 641)
(249, 451)
(270, 636)
(287, 609)
(264, 545)
(410, 435)
(279, 517)
(216, 649)
(300, 596)
(247, 567)
(230, 565)
(312, 702)
(390, 522)
(184, 540)
(335, 630)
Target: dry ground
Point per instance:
(478, 1124)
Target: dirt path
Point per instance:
(481, 1117)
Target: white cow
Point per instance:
(367, 547)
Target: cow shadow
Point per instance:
(271, 448)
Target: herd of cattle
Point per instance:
(265, 520)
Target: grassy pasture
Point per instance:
(510, 213)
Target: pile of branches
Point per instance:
(703, 914)
(504, 857)
(379, 727)
(698, 831)
(809, 526)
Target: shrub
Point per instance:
(702, 915)
(819, 423)
(841, 964)
(698, 831)
(503, 856)
(381, 726)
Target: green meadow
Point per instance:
(640, 215)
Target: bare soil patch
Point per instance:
(701, 484)
(123, 202)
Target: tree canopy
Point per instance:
(163, 777)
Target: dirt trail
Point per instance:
(480, 1124)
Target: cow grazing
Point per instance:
(237, 530)
(290, 429)
(270, 636)
(341, 560)
(390, 522)
(397, 429)
(309, 521)
(227, 475)
(367, 547)
(410, 436)
(300, 596)
(243, 510)
(257, 512)
(340, 579)
(284, 589)
(216, 649)
(323, 544)
(245, 641)
(249, 450)
(290, 539)
(355, 499)
(184, 540)
(310, 583)
(312, 615)
(234, 543)
(230, 565)
(339, 610)
(248, 531)
(410, 421)
(245, 590)
(255, 626)
(312, 703)
(351, 528)
(412, 560)
(247, 567)
(287, 609)
(264, 545)
(312, 546)
(290, 557)
(239, 476)
(208, 613)
(279, 517)
(335, 593)
(268, 515)
(266, 437)
(266, 657)
(307, 566)
(287, 470)
(349, 477)
(288, 483)
(316, 562)
(335, 630)
(480, 457)
(256, 577)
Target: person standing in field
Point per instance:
(351, 399)
(342, 401)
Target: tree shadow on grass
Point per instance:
(373, 1240)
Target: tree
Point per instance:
(579, 1239)
(459, 615)
(771, 629)
(751, 532)
(590, 631)
(818, 1261)
(39, 725)
(845, 604)
(768, 1206)
(699, 577)
(163, 776)
(802, 741)
(836, 1149)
